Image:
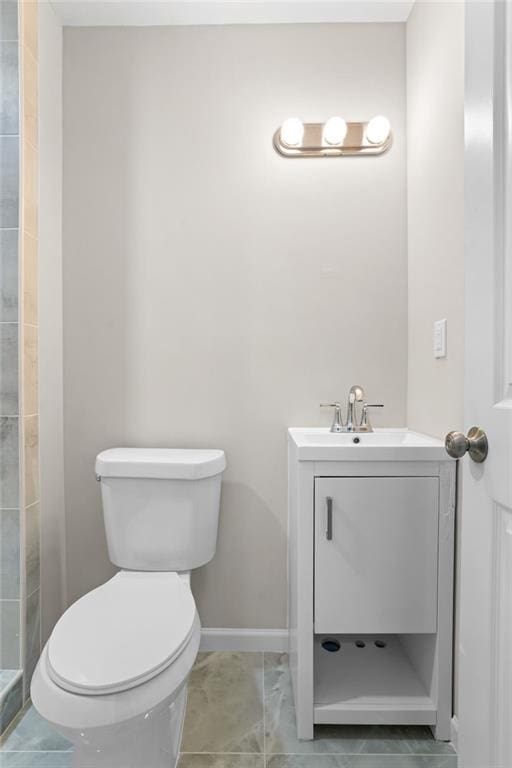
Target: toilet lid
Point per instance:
(122, 633)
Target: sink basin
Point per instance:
(319, 444)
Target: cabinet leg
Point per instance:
(442, 731)
(305, 729)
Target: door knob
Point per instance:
(457, 444)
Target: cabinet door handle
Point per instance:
(328, 532)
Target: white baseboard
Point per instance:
(455, 732)
(271, 640)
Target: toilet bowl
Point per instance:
(112, 677)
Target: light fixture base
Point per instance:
(313, 143)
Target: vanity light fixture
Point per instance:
(334, 138)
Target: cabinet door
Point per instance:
(377, 573)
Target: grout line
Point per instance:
(409, 755)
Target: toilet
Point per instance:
(112, 677)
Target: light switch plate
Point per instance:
(440, 338)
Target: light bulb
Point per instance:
(377, 130)
(292, 131)
(335, 130)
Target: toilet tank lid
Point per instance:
(160, 463)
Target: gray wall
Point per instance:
(51, 440)
(435, 184)
(214, 292)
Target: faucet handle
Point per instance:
(365, 422)
(337, 424)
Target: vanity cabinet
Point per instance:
(376, 544)
(370, 579)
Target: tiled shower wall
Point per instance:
(10, 518)
(19, 417)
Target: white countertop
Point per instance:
(320, 444)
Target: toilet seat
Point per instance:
(121, 634)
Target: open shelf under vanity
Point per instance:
(370, 677)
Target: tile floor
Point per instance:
(240, 715)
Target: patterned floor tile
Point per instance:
(239, 705)
(32, 734)
(222, 761)
(280, 730)
(36, 759)
(361, 761)
(225, 704)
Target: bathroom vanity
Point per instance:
(371, 547)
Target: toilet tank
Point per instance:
(160, 506)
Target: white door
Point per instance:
(485, 693)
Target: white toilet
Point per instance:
(113, 676)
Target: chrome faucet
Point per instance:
(355, 395)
